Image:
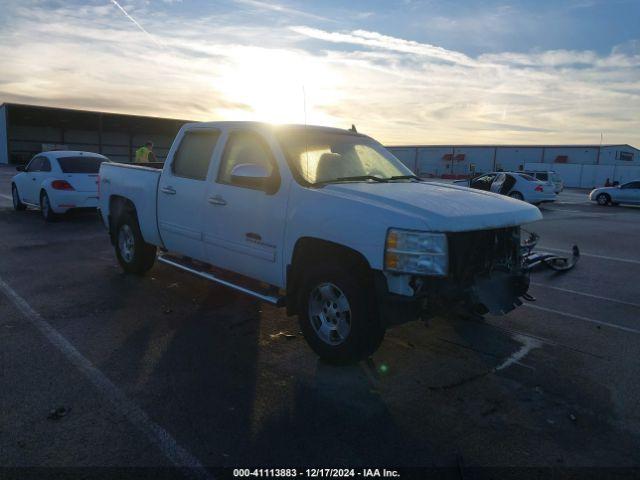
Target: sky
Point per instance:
(402, 71)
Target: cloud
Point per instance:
(385, 42)
(398, 90)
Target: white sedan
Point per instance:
(513, 184)
(626, 193)
(57, 182)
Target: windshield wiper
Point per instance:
(404, 177)
(353, 179)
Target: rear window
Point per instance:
(542, 176)
(80, 164)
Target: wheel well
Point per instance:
(118, 206)
(308, 250)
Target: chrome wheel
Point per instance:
(126, 243)
(330, 313)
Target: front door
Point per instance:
(629, 193)
(244, 225)
(33, 179)
(496, 186)
(181, 193)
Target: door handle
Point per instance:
(217, 200)
(168, 190)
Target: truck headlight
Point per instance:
(421, 253)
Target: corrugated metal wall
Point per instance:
(580, 166)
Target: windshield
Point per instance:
(80, 164)
(320, 156)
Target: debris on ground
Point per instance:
(559, 263)
(572, 417)
(172, 285)
(57, 413)
(166, 309)
(282, 334)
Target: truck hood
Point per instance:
(444, 208)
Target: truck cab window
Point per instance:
(192, 158)
(244, 148)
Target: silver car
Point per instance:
(626, 193)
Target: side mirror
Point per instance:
(20, 168)
(251, 175)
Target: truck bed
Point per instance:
(138, 184)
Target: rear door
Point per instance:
(182, 190)
(81, 172)
(244, 224)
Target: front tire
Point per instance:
(45, 208)
(17, 204)
(603, 199)
(338, 316)
(133, 253)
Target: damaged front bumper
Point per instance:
(488, 273)
(497, 293)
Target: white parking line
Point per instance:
(580, 317)
(176, 454)
(8, 197)
(528, 344)
(593, 255)
(590, 295)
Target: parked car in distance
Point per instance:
(339, 230)
(516, 185)
(57, 182)
(628, 193)
(548, 176)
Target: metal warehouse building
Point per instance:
(583, 166)
(26, 130)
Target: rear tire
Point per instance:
(337, 314)
(516, 195)
(17, 204)
(603, 199)
(45, 208)
(133, 253)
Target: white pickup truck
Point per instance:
(323, 221)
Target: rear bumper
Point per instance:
(62, 201)
(542, 197)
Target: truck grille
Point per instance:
(480, 252)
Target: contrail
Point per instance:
(135, 22)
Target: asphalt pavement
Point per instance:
(100, 368)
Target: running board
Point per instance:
(174, 262)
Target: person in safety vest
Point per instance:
(145, 154)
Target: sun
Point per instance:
(277, 86)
